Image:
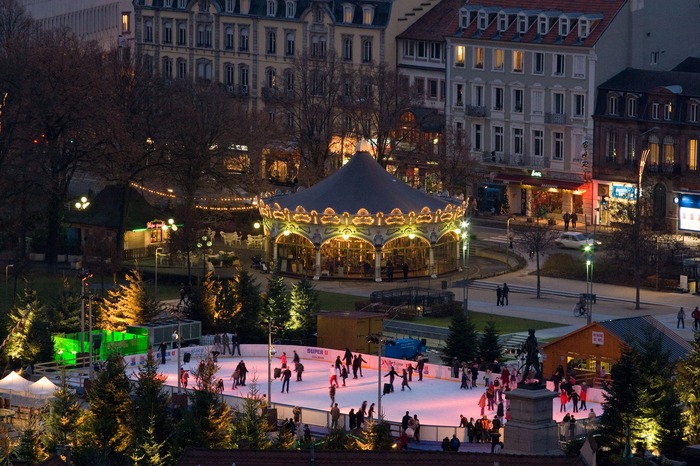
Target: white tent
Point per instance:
(42, 388)
(14, 383)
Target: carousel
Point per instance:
(361, 222)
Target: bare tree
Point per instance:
(458, 171)
(537, 239)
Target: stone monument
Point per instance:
(531, 429)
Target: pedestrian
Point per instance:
(286, 377)
(162, 348)
(296, 359)
(217, 343)
(574, 399)
(491, 397)
(299, 368)
(404, 268)
(184, 377)
(475, 373)
(331, 392)
(390, 271)
(343, 374)
(470, 429)
(307, 433)
(333, 378)
(360, 416)
(563, 399)
(410, 370)
(355, 366)
(465, 371)
(566, 218)
(338, 362)
(583, 396)
(403, 440)
(370, 413)
(574, 219)
(681, 319)
(487, 376)
(445, 444)
(404, 380)
(297, 414)
(416, 428)
(359, 364)
(220, 386)
(495, 433)
(183, 294)
(696, 318)
(392, 373)
(405, 421)
(506, 290)
(482, 403)
(236, 378)
(235, 343)
(455, 367)
(283, 359)
(243, 372)
(454, 443)
(335, 414)
(225, 344)
(499, 296)
(352, 419)
(572, 427)
(347, 358)
(420, 365)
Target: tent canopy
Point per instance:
(42, 388)
(14, 382)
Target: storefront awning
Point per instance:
(527, 180)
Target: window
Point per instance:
(478, 137)
(479, 58)
(419, 86)
(204, 70)
(538, 143)
(435, 51)
(409, 48)
(611, 146)
(522, 24)
(669, 151)
(537, 102)
(558, 153)
(483, 20)
(422, 49)
(289, 81)
(654, 58)
(148, 30)
(291, 8)
(630, 147)
(542, 25)
(167, 69)
(498, 139)
(655, 111)
(243, 40)
(348, 13)
(498, 59)
(459, 94)
(229, 73)
(271, 7)
(204, 5)
(693, 155)
(318, 46)
(518, 141)
(270, 78)
(612, 105)
(168, 32)
(464, 19)
(538, 63)
(366, 50)
(693, 112)
(579, 66)
(478, 95)
(432, 89)
(668, 108)
(228, 38)
(518, 61)
(347, 48)
(271, 42)
(243, 79)
(181, 33)
(631, 106)
(204, 35)
(182, 3)
(579, 106)
(168, 3)
(229, 5)
(442, 90)
(148, 64)
(289, 48)
(653, 150)
(181, 69)
(367, 15)
(498, 98)
(584, 28)
(318, 15)
(558, 64)
(502, 22)
(245, 7)
(558, 103)
(459, 60)
(563, 26)
(518, 95)
(126, 23)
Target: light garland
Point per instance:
(204, 199)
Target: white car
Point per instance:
(571, 240)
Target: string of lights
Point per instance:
(203, 199)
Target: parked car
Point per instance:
(571, 240)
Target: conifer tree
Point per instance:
(149, 451)
(64, 313)
(30, 449)
(688, 389)
(250, 424)
(377, 436)
(63, 418)
(276, 304)
(304, 307)
(30, 335)
(128, 304)
(203, 303)
(490, 348)
(151, 403)
(462, 341)
(246, 307)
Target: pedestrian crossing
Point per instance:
(501, 239)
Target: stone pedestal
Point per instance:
(531, 429)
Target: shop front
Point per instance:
(536, 196)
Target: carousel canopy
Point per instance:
(361, 184)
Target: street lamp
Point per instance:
(463, 232)
(204, 245)
(176, 338)
(156, 280)
(637, 220)
(270, 353)
(82, 203)
(588, 249)
(379, 340)
(84, 276)
(7, 287)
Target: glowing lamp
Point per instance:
(256, 225)
(285, 232)
(411, 236)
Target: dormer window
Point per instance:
(502, 22)
(542, 25)
(464, 19)
(318, 15)
(483, 20)
(182, 4)
(668, 110)
(204, 5)
(271, 7)
(245, 7)
(291, 8)
(348, 13)
(522, 24)
(584, 28)
(367, 15)
(563, 26)
(230, 4)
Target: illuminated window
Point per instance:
(693, 154)
(459, 61)
(498, 55)
(518, 58)
(367, 14)
(479, 58)
(348, 13)
(126, 23)
(669, 151)
(668, 110)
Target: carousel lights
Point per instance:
(286, 232)
(256, 225)
(411, 235)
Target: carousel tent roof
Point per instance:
(361, 183)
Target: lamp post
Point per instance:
(270, 353)
(84, 276)
(463, 232)
(156, 279)
(379, 340)
(177, 338)
(637, 219)
(588, 249)
(7, 287)
(204, 245)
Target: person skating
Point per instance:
(404, 380)
(392, 373)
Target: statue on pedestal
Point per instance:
(532, 361)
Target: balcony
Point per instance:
(475, 111)
(555, 118)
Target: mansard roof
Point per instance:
(643, 81)
(442, 20)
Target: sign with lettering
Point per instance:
(598, 338)
(536, 173)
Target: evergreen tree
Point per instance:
(490, 347)
(688, 390)
(250, 424)
(148, 451)
(63, 418)
(304, 307)
(128, 304)
(276, 304)
(247, 307)
(505, 208)
(462, 341)
(64, 314)
(203, 303)
(670, 435)
(29, 339)
(377, 436)
(110, 425)
(151, 403)
(30, 448)
(6, 446)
